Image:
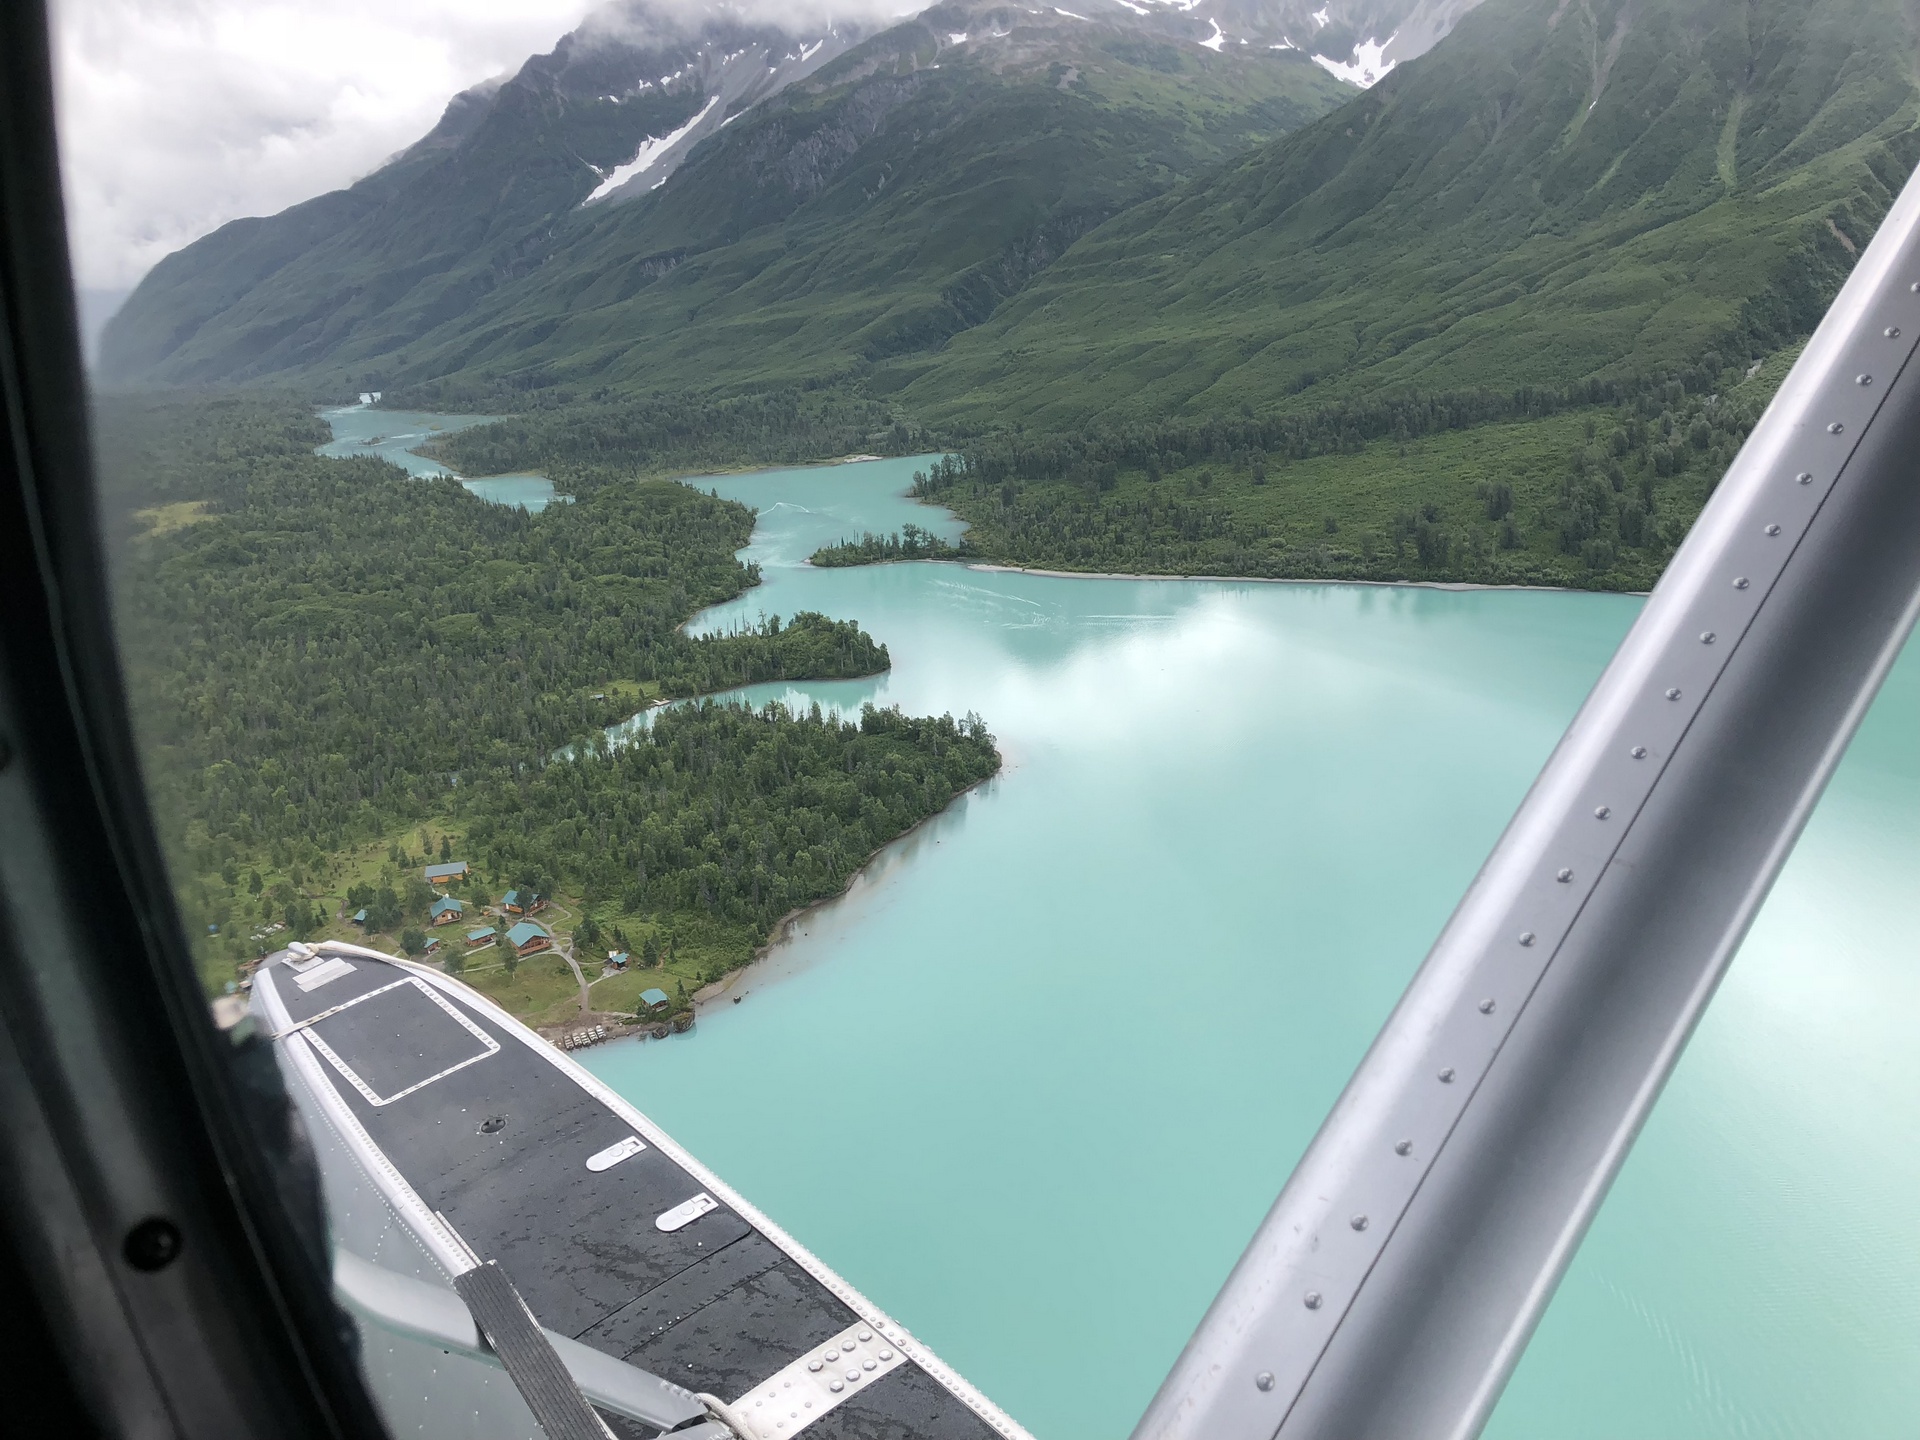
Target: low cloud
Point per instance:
(177, 116)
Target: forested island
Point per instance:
(331, 662)
(910, 542)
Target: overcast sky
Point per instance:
(177, 116)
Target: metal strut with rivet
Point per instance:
(1560, 994)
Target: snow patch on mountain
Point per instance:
(1216, 41)
(651, 151)
(1368, 67)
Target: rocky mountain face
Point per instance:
(1357, 40)
(996, 213)
(611, 111)
(574, 219)
(1561, 190)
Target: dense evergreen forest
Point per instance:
(322, 652)
(729, 812)
(585, 441)
(1592, 486)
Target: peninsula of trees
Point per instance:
(326, 656)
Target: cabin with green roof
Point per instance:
(529, 938)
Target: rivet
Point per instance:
(1805, 477)
(153, 1244)
(846, 1348)
(1707, 637)
(1773, 529)
(835, 1386)
(1893, 332)
(1673, 694)
(1405, 1147)
(886, 1354)
(853, 1374)
(813, 1365)
(1264, 1380)
(869, 1364)
(1564, 876)
(1836, 428)
(1313, 1299)
(1486, 1007)
(1526, 937)
(866, 1335)
(1358, 1222)
(1446, 1076)
(1639, 752)
(1740, 582)
(1863, 379)
(1601, 812)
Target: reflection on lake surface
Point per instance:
(1034, 1081)
(391, 435)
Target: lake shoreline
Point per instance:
(1459, 585)
(764, 959)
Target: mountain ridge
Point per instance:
(452, 257)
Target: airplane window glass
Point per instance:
(932, 608)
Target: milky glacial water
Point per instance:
(392, 435)
(1034, 1081)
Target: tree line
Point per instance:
(583, 443)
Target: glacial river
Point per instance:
(391, 435)
(1033, 1082)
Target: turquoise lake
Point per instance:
(391, 435)
(1031, 1084)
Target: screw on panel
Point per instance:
(1446, 1076)
(1358, 1222)
(1740, 582)
(1486, 1007)
(1773, 529)
(1673, 694)
(1805, 477)
(1639, 752)
(1264, 1380)
(1601, 812)
(153, 1244)
(1893, 332)
(1836, 428)
(1707, 637)
(1565, 876)
(1405, 1147)
(1313, 1299)
(1863, 379)
(1526, 937)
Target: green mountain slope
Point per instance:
(1562, 189)
(467, 209)
(878, 207)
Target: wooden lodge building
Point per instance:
(529, 939)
